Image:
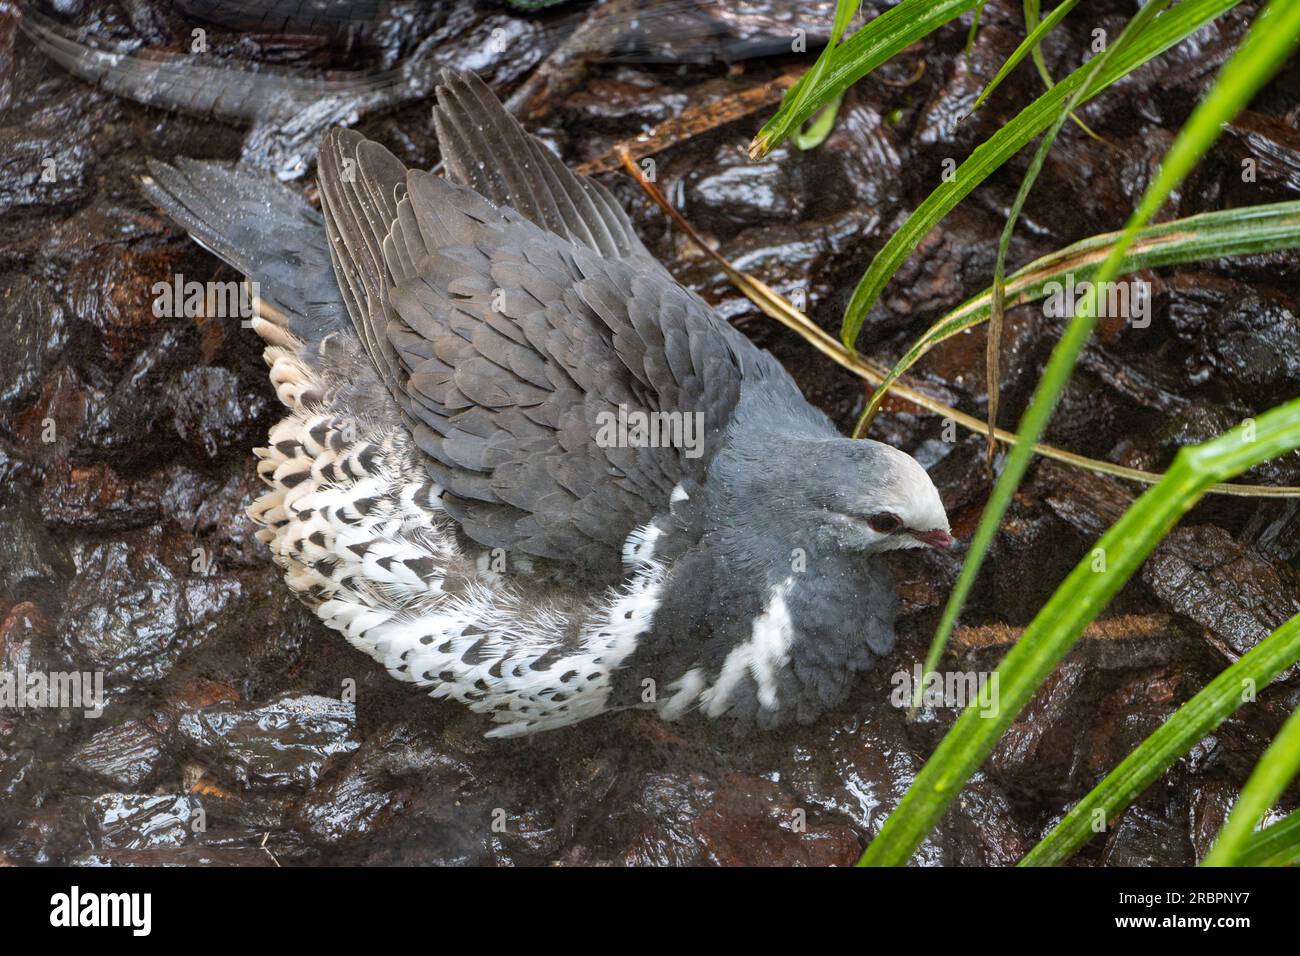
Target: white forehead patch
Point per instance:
(906, 489)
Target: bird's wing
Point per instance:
(513, 338)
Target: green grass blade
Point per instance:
(1033, 10)
(1132, 30)
(1166, 30)
(1084, 594)
(894, 30)
(820, 128)
(1236, 84)
(1031, 24)
(798, 95)
(1211, 235)
(1052, 633)
(1028, 45)
(1275, 770)
(1174, 738)
(974, 30)
(1276, 845)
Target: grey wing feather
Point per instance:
(509, 336)
(358, 194)
(486, 149)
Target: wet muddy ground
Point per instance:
(125, 446)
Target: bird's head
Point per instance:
(831, 495)
(871, 497)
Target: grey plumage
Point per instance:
(498, 317)
(503, 346)
(263, 229)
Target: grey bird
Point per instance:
(522, 465)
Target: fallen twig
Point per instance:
(1122, 627)
(692, 122)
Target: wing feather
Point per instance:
(511, 314)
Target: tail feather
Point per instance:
(263, 229)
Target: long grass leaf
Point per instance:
(1205, 236)
(1174, 738)
(886, 35)
(1031, 24)
(993, 373)
(1270, 40)
(1275, 845)
(1275, 770)
(1170, 28)
(797, 96)
(1033, 11)
(974, 30)
(1027, 45)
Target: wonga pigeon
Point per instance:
(522, 465)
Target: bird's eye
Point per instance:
(885, 523)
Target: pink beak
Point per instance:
(940, 540)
